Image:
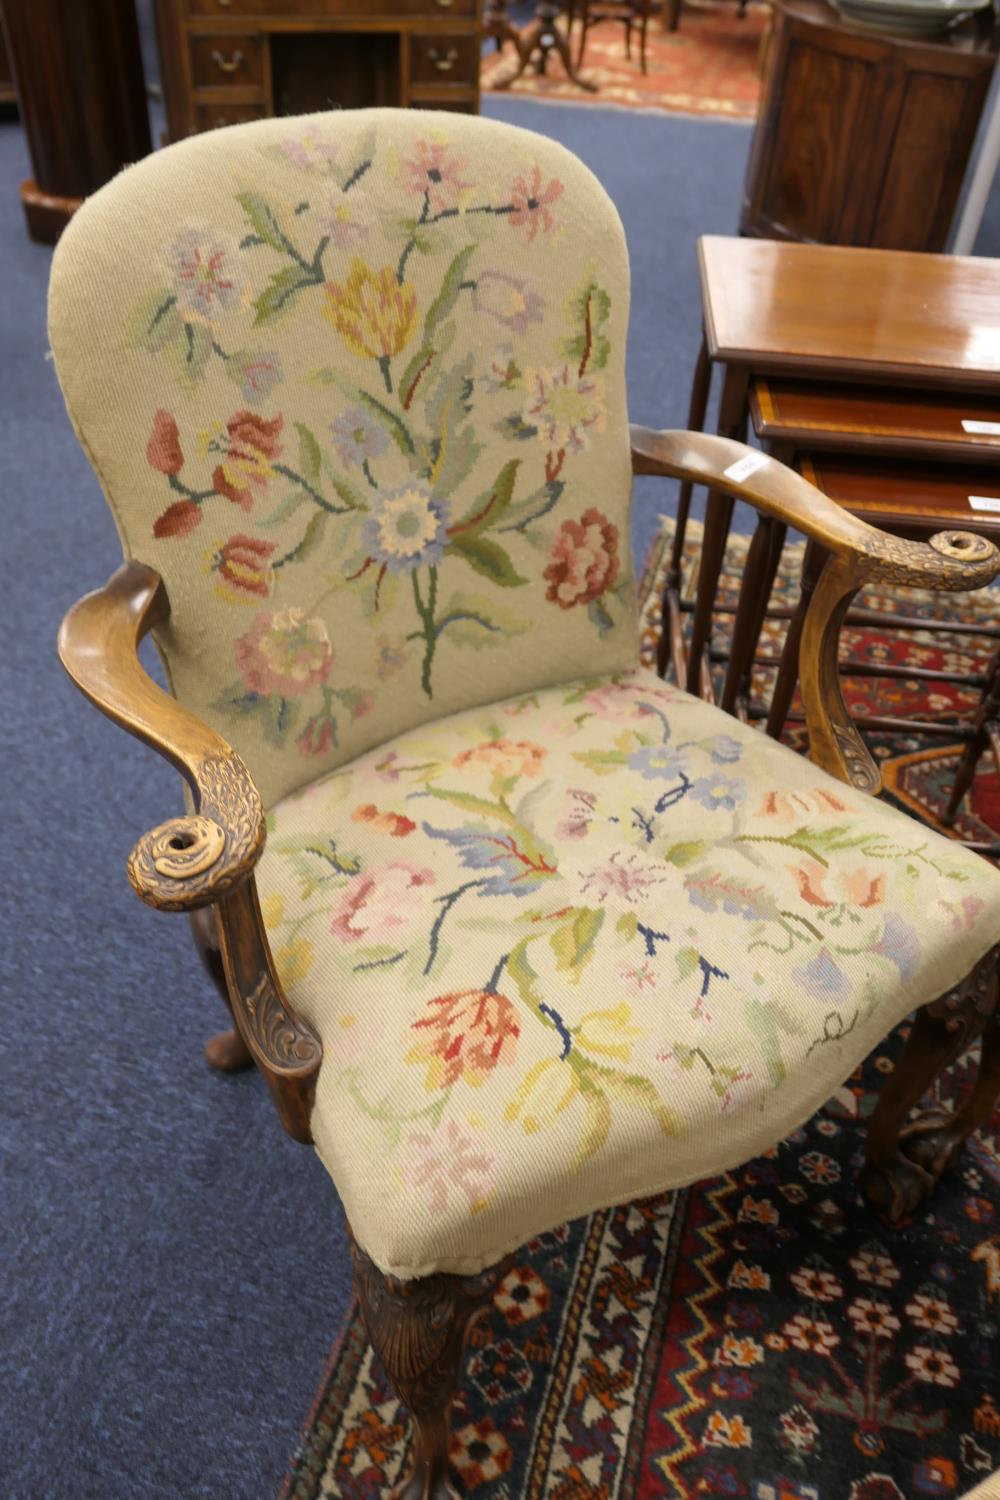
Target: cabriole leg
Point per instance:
(905, 1157)
(418, 1330)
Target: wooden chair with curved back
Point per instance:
(511, 928)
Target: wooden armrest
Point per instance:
(949, 560)
(860, 554)
(191, 861)
(208, 857)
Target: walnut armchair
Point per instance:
(512, 927)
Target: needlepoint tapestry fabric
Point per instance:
(354, 385)
(587, 944)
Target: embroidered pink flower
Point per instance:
(504, 757)
(379, 905)
(466, 1035)
(793, 807)
(163, 451)
(319, 736)
(208, 278)
(309, 151)
(244, 564)
(435, 170)
(532, 204)
(565, 406)
(859, 888)
(449, 1161)
(251, 449)
(583, 561)
(621, 879)
(394, 824)
(284, 653)
(578, 815)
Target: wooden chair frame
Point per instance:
(203, 863)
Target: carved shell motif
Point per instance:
(191, 861)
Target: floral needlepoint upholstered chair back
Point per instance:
(369, 523)
(512, 928)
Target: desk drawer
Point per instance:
(210, 116)
(444, 59)
(354, 9)
(226, 62)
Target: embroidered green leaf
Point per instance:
(684, 854)
(351, 172)
(598, 615)
(286, 509)
(687, 961)
(310, 458)
(627, 925)
(155, 322)
(478, 621)
(394, 426)
(634, 1089)
(601, 761)
(276, 296)
(264, 222)
(488, 558)
(451, 286)
(597, 1121)
(191, 352)
(589, 309)
(313, 535)
(489, 507)
(573, 944)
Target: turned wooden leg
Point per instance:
(226, 1051)
(418, 1330)
(905, 1157)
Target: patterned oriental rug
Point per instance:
(762, 1335)
(709, 66)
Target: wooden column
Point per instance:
(80, 86)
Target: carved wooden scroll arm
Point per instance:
(860, 554)
(206, 858)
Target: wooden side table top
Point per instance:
(880, 419)
(916, 498)
(858, 313)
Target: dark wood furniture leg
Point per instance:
(671, 647)
(718, 514)
(905, 1160)
(226, 1051)
(82, 97)
(788, 672)
(543, 36)
(986, 734)
(418, 1330)
(499, 26)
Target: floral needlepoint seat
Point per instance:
(511, 927)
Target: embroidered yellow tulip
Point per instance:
(372, 312)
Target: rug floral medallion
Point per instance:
(763, 1334)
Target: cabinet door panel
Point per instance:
(922, 181)
(823, 157)
(357, 9)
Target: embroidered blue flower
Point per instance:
(357, 437)
(823, 977)
(657, 763)
(718, 792)
(406, 528)
(725, 750)
(899, 943)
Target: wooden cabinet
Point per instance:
(863, 139)
(226, 61)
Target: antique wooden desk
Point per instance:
(226, 61)
(881, 317)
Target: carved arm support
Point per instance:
(860, 554)
(206, 858)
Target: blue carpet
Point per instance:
(174, 1270)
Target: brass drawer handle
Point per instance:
(444, 4)
(225, 3)
(227, 64)
(443, 64)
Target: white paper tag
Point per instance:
(985, 429)
(985, 502)
(744, 467)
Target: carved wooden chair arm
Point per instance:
(206, 858)
(189, 861)
(950, 560)
(860, 554)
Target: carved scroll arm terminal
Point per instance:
(859, 554)
(208, 857)
(190, 861)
